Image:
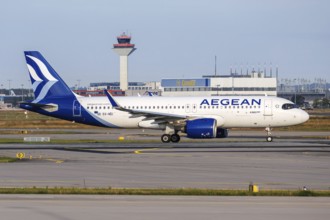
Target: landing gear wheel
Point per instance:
(175, 138)
(166, 138)
(269, 139)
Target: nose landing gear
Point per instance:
(269, 138)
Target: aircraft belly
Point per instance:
(247, 121)
(124, 122)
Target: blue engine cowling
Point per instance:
(201, 128)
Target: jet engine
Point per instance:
(201, 128)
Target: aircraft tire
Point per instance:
(166, 138)
(269, 139)
(175, 138)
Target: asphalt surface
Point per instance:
(40, 207)
(292, 161)
(287, 163)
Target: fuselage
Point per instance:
(230, 111)
(198, 117)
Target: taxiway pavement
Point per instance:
(39, 207)
(286, 163)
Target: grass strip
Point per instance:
(7, 159)
(165, 192)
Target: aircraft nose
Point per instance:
(304, 116)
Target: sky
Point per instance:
(174, 38)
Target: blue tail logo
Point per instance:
(46, 82)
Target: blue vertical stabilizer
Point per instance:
(46, 83)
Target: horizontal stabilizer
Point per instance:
(47, 107)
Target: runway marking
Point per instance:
(54, 160)
(142, 150)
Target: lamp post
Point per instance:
(22, 91)
(218, 85)
(9, 80)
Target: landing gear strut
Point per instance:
(171, 134)
(269, 138)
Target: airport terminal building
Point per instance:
(256, 83)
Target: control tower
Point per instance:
(124, 48)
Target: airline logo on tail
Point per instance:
(40, 76)
(45, 81)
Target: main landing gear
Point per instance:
(269, 138)
(166, 138)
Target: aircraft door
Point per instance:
(268, 109)
(76, 109)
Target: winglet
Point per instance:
(111, 99)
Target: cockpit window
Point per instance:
(288, 106)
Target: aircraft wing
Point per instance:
(159, 117)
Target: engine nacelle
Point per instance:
(222, 132)
(201, 128)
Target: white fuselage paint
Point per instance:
(229, 111)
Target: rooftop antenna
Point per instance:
(247, 68)
(241, 69)
(235, 68)
(215, 65)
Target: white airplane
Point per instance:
(197, 117)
